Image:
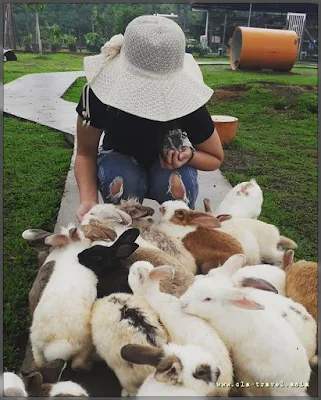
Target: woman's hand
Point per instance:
(174, 159)
(84, 208)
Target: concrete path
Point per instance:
(37, 98)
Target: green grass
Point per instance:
(217, 76)
(32, 63)
(36, 160)
(278, 147)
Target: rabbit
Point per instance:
(111, 265)
(117, 320)
(266, 236)
(150, 232)
(294, 313)
(301, 282)
(61, 320)
(182, 329)
(263, 345)
(242, 201)
(55, 247)
(38, 388)
(260, 241)
(209, 247)
(13, 385)
(180, 370)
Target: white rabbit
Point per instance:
(117, 320)
(182, 329)
(61, 320)
(180, 370)
(267, 237)
(264, 347)
(243, 201)
(294, 313)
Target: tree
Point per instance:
(9, 36)
(36, 9)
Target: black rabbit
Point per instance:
(108, 263)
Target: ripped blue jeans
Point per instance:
(121, 177)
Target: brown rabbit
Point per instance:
(209, 247)
(301, 283)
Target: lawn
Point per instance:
(33, 63)
(36, 161)
(276, 143)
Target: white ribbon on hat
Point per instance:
(111, 48)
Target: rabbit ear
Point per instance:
(207, 206)
(128, 237)
(205, 220)
(258, 283)
(36, 237)
(125, 218)
(136, 211)
(33, 381)
(233, 264)
(95, 230)
(241, 300)
(124, 250)
(125, 245)
(75, 234)
(139, 354)
(224, 217)
(169, 370)
(287, 260)
(57, 240)
(161, 273)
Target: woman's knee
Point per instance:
(180, 184)
(120, 177)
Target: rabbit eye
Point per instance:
(96, 258)
(180, 213)
(207, 299)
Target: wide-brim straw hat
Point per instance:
(147, 73)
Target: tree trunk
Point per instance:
(38, 32)
(79, 38)
(9, 27)
(27, 22)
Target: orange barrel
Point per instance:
(258, 48)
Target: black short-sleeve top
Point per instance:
(136, 136)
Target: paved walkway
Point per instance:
(37, 97)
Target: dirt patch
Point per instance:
(290, 92)
(224, 94)
(237, 160)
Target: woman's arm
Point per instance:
(209, 154)
(85, 166)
